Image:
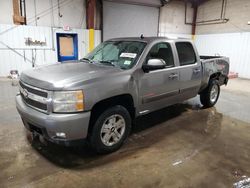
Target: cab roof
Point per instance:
(149, 39)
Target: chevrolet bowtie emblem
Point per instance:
(25, 93)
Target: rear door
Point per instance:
(159, 88)
(189, 69)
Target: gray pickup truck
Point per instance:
(98, 97)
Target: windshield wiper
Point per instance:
(86, 59)
(111, 63)
(107, 62)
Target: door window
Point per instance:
(186, 53)
(162, 51)
(66, 46)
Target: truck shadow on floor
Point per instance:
(147, 131)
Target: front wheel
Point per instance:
(211, 94)
(110, 130)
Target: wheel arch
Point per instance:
(125, 100)
(221, 78)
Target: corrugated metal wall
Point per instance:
(14, 54)
(234, 45)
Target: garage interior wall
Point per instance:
(48, 13)
(44, 19)
(15, 55)
(230, 39)
(129, 20)
(172, 20)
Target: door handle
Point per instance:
(196, 70)
(173, 76)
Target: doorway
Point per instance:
(67, 46)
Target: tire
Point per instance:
(110, 130)
(210, 95)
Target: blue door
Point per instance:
(67, 47)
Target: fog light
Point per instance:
(61, 135)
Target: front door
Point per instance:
(159, 88)
(67, 47)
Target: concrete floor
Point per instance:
(180, 146)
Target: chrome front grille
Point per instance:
(34, 97)
(31, 89)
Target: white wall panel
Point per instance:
(171, 35)
(98, 37)
(234, 45)
(15, 36)
(19, 56)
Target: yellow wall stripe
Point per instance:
(91, 39)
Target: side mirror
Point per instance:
(154, 64)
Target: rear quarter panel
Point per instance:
(212, 66)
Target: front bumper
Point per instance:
(75, 126)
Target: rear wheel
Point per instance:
(211, 94)
(110, 129)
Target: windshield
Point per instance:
(122, 54)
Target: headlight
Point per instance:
(68, 101)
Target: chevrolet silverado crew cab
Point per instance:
(97, 97)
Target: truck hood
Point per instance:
(65, 75)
